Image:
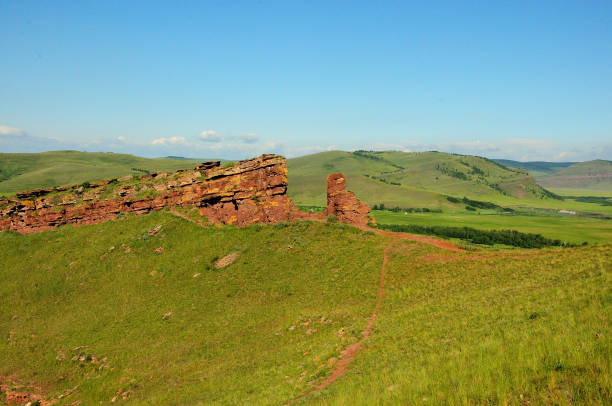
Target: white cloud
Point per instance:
(170, 141)
(121, 138)
(249, 138)
(6, 131)
(209, 136)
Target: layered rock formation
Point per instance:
(251, 191)
(343, 204)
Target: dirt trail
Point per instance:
(420, 238)
(348, 354)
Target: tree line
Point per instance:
(486, 237)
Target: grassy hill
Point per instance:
(420, 179)
(103, 312)
(417, 180)
(569, 177)
(29, 171)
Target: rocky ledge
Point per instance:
(250, 191)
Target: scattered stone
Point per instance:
(154, 230)
(128, 250)
(167, 315)
(197, 274)
(159, 250)
(226, 260)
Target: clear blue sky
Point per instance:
(514, 79)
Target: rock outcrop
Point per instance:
(251, 191)
(248, 192)
(343, 204)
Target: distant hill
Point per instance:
(29, 171)
(411, 179)
(590, 175)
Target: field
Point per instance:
(103, 312)
(30, 171)
(573, 229)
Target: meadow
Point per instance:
(117, 311)
(570, 228)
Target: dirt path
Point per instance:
(348, 354)
(447, 245)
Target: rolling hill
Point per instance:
(396, 179)
(420, 179)
(568, 177)
(116, 313)
(29, 171)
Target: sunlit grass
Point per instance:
(149, 318)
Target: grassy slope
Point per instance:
(584, 177)
(497, 330)
(573, 229)
(592, 175)
(29, 171)
(454, 328)
(422, 184)
(415, 171)
(228, 339)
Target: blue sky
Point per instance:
(527, 80)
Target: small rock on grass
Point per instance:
(226, 260)
(154, 230)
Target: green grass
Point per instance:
(20, 172)
(572, 229)
(503, 329)
(229, 338)
(422, 180)
(484, 327)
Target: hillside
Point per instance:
(567, 176)
(30, 171)
(420, 179)
(140, 310)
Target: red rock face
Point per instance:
(343, 204)
(252, 191)
(248, 192)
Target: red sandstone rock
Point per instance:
(343, 204)
(252, 191)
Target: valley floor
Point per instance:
(116, 311)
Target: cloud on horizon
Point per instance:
(210, 144)
(6, 131)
